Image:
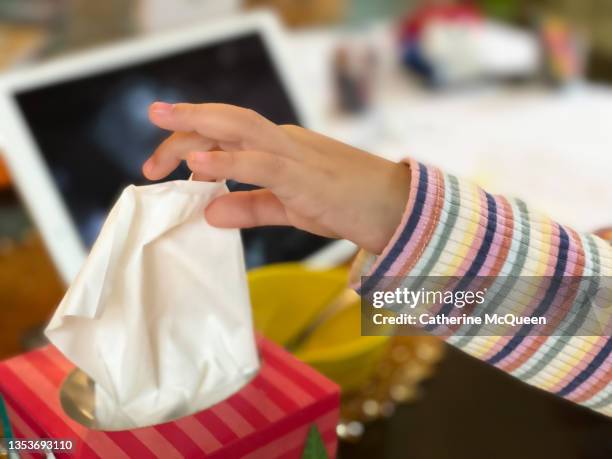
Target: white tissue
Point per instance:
(159, 315)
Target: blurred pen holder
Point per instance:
(310, 313)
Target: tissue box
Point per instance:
(269, 418)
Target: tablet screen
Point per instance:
(94, 134)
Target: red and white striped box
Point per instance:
(269, 418)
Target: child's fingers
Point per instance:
(254, 167)
(246, 209)
(168, 155)
(221, 122)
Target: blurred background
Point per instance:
(514, 94)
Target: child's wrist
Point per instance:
(396, 199)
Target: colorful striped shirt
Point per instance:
(453, 228)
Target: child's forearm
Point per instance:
(453, 228)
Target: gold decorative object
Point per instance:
(407, 362)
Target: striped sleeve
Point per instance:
(453, 228)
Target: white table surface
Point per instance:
(551, 148)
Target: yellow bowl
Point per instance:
(288, 297)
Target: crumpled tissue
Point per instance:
(159, 315)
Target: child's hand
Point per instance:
(311, 181)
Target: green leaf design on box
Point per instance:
(314, 449)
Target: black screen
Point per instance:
(94, 134)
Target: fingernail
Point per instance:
(161, 108)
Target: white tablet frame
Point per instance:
(28, 170)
